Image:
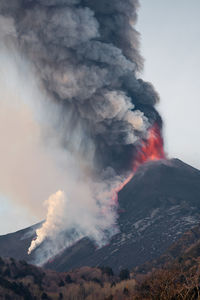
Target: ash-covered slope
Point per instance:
(16, 244)
(157, 206)
(160, 203)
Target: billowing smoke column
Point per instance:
(85, 53)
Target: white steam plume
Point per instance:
(34, 166)
(54, 220)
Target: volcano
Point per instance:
(156, 207)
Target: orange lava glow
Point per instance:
(151, 149)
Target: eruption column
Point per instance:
(85, 55)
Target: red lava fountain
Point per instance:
(151, 149)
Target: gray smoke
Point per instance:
(86, 56)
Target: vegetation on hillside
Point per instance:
(173, 276)
(177, 280)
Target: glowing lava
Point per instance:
(151, 149)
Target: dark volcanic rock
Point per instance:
(187, 247)
(16, 244)
(160, 203)
(157, 206)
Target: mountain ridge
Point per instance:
(156, 207)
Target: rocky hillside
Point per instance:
(19, 280)
(177, 278)
(157, 206)
(187, 247)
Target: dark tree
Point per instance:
(1, 262)
(60, 296)
(44, 296)
(113, 284)
(126, 292)
(68, 279)
(61, 283)
(124, 274)
(107, 270)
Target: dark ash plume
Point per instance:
(87, 58)
(86, 54)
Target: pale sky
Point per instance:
(170, 44)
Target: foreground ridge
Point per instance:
(176, 278)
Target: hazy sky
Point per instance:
(170, 44)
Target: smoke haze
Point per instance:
(73, 112)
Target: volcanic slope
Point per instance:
(157, 206)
